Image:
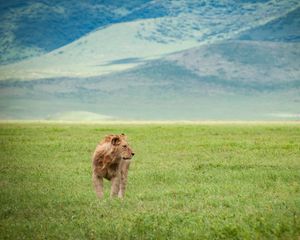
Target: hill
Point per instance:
(167, 61)
(226, 80)
(285, 28)
(33, 28)
(138, 35)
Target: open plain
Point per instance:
(187, 181)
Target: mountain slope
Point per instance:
(167, 60)
(248, 64)
(30, 28)
(238, 85)
(182, 25)
(285, 28)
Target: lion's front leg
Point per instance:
(123, 179)
(115, 185)
(123, 182)
(98, 184)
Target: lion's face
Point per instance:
(122, 147)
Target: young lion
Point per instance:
(111, 160)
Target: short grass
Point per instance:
(185, 182)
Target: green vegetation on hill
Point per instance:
(185, 182)
(229, 80)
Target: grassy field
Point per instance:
(222, 181)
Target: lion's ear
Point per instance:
(123, 136)
(115, 140)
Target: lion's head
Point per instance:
(120, 146)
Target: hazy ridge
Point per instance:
(164, 70)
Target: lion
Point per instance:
(111, 160)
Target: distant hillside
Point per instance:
(229, 80)
(35, 28)
(285, 28)
(30, 28)
(260, 66)
(151, 60)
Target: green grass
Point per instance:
(185, 182)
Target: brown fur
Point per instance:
(111, 160)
